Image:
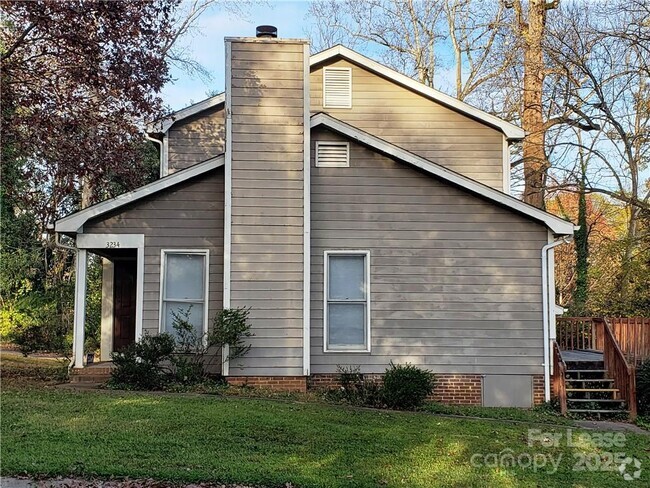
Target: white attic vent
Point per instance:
(337, 87)
(332, 154)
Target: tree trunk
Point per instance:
(581, 237)
(86, 192)
(534, 156)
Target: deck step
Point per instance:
(590, 380)
(586, 371)
(592, 390)
(596, 400)
(589, 410)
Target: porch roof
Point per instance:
(73, 224)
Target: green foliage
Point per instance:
(407, 386)
(176, 362)
(141, 365)
(643, 388)
(356, 389)
(37, 322)
(231, 327)
(191, 347)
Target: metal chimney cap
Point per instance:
(266, 31)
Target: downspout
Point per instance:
(58, 243)
(546, 301)
(160, 144)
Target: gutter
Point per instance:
(546, 322)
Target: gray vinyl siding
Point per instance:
(267, 203)
(187, 216)
(196, 138)
(418, 124)
(455, 280)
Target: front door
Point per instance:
(124, 303)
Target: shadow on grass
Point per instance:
(270, 443)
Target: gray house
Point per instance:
(364, 217)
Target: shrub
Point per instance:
(179, 361)
(356, 388)
(407, 386)
(231, 327)
(141, 365)
(643, 388)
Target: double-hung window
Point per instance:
(347, 301)
(184, 289)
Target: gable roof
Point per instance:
(74, 223)
(556, 224)
(164, 124)
(511, 131)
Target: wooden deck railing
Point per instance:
(559, 375)
(618, 368)
(632, 335)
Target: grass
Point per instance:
(20, 370)
(540, 414)
(49, 432)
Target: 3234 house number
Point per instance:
(112, 244)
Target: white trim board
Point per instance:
(345, 252)
(164, 124)
(73, 223)
(306, 220)
(227, 206)
(511, 131)
(556, 224)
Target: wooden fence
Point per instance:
(631, 333)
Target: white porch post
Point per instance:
(79, 336)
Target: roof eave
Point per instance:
(511, 131)
(557, 225)
(73, 224)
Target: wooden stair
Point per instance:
(590, 392)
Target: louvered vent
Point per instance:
(332, 154)
(337, 87)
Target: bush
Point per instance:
(179, 361)
(407, 386)
(643, 388)
(231, 327)
(141, 365)
(356, 389)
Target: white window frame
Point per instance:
(337, 68)
(319, 164)
(163, 273)
(345, 252)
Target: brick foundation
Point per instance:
(453, 389)
(458, 389)
(275, 383)
(538, 389)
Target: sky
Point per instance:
(207, 47)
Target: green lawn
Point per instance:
(47, 431)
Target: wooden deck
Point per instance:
(582, 355)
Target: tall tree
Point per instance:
(606, 78)
(530, 25)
